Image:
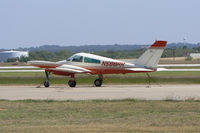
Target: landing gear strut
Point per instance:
(47, 83)
(98, 82)
(72, 82)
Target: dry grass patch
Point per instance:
(99, 116)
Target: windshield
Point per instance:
(77, 58)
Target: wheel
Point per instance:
(46, 83)
(98, 82)
(72, 83)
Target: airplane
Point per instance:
(85, 63)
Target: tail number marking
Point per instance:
(110, 63)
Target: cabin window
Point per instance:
(90, 60)
(77, 58)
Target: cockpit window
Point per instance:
(90, 60)
(77, 58)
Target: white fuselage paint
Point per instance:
(104, 62)
(106, 65)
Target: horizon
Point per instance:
(85, 45)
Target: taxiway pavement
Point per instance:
(85, 92)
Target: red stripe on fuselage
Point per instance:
(112, 71)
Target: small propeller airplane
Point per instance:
(85, 63)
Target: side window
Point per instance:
(77, 58)
(90, 60)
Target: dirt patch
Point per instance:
(2, 109)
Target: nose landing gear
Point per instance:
(47, 82)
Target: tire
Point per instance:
(98, 82)
(72, 83)
(46, 83)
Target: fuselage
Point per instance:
(101, 65)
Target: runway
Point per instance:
(84, 92)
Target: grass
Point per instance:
(136, 78)
(99, 116)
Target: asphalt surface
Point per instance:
(84, 92)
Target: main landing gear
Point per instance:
(72, 82)
(98, 82)
(47, 83)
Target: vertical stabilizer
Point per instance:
(152, 55)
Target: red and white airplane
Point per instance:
(85, 63)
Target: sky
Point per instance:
(26, 23)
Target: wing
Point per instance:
(57, 68)
(44, 64)
(71, 69)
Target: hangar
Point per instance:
(4, 55)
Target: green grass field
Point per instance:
(135, 78)
(99, 116)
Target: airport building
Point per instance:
(4, 55)
(195, 55)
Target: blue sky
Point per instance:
(25, 23)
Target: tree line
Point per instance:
(121, 54)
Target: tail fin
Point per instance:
(151, 56)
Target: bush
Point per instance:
(188, 58)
